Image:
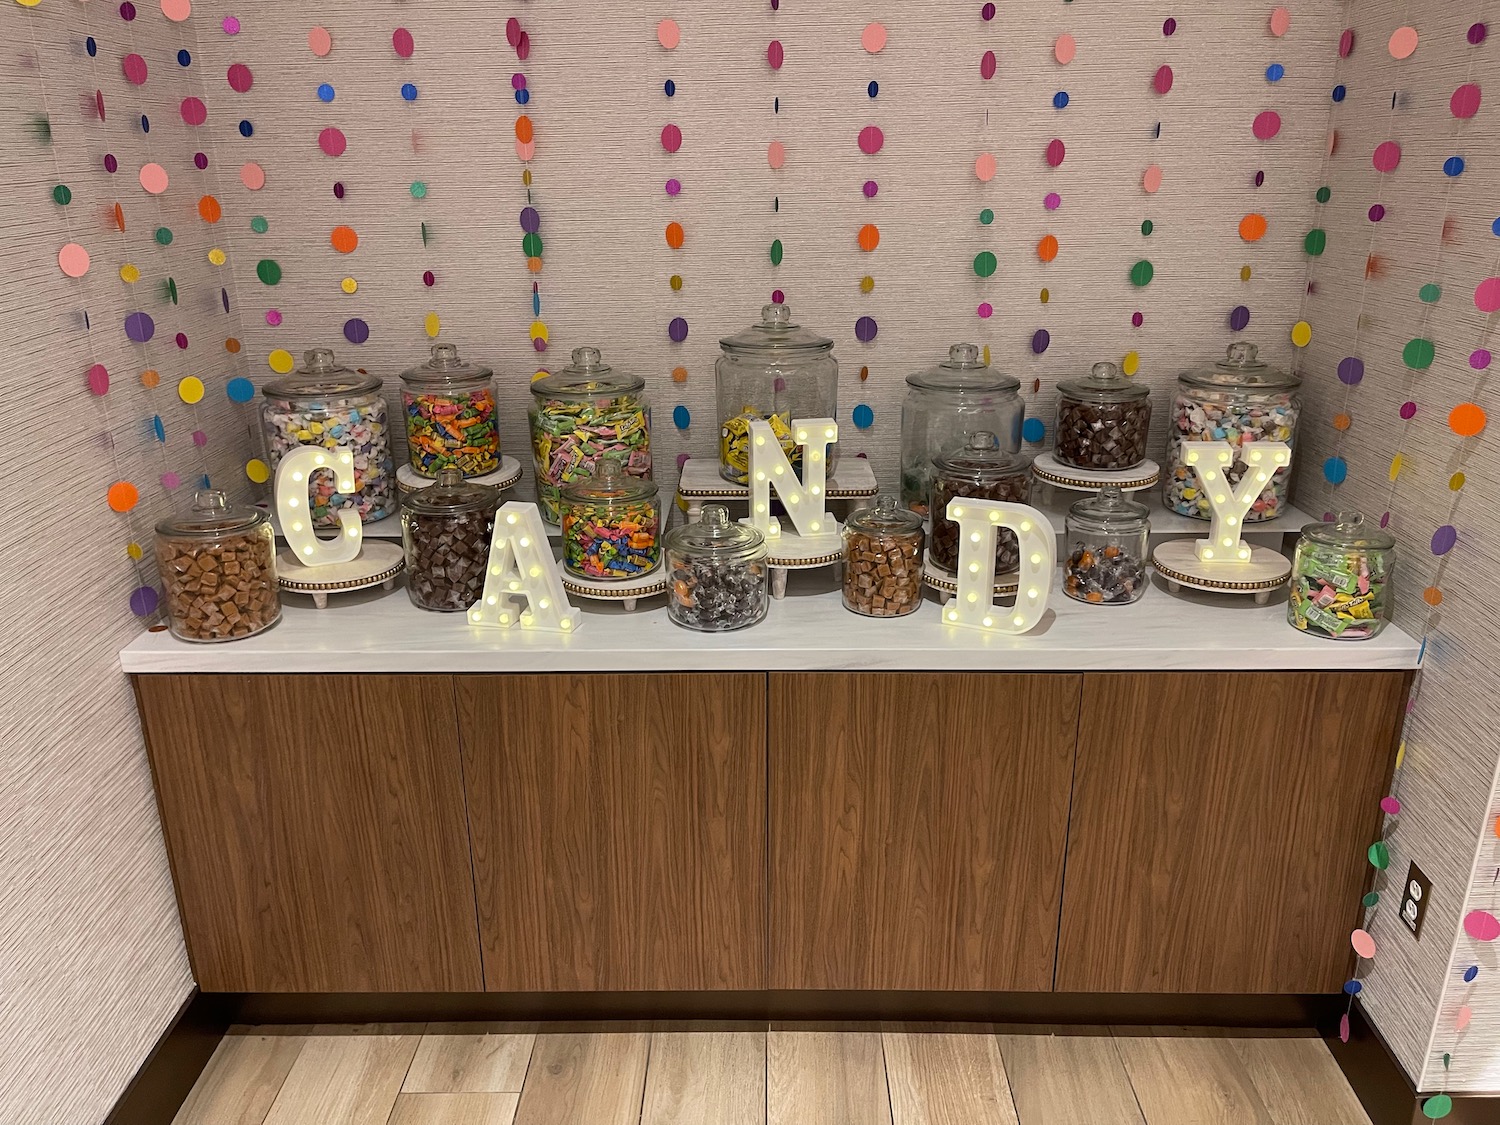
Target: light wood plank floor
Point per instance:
(759, 1074)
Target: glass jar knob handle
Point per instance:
(964, 355)
(587, 358)
(1105, 372)
(444, 355)
(1241, 353)
(776, 316)
(319, 359)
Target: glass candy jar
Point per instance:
(883, 560)
(1341, 579)
(720, 580)
(777, 371)
(979, 470)
(1239, 400)
(943, 406)
(218, 567)
(1102, 420)
(446, 530)
(450, 415)
(1107, 539)
(333, 407)
(581, 415)
(611, 524)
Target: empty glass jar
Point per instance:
(1107, 539)
(446, 529)
(883, 560)
(720, 580)
(217, 565)
(450, 415)
(1341, 579)
(980, 470)
(943, 406)
(777, 371)
(1102, 420)
(610, 525)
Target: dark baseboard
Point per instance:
(162, 1083)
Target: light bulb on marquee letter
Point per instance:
(979, 521)
(1212, 460)
(522, 585)
(805, 501)
(292, 505)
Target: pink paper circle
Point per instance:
(525, 150)
(177, 10)
(231, 25)
(872, 39)
(1052, 201)
(1280, 22)
(319, 42)
(240, 79)
(134, 69)
(1346, 43)
(402, 43)
(1403, 42)
(776, 154)
(253, 176)
(1465, 100)
(668, 34)
(985, 310)
(1481, 925)
(1387, 156)
(170, 480)
(194, 112)
(332, 141)
(671, 137)
(273, 317)
(154, 178)
(871, 139)
(1266, 125)
(1363, 944)
(1462, 1018)
(1056, 151)
(985, 167)
(98, 379)
(1065, 49)
(1487, 295)
(1151, 181)
(1390, 806)
(1162, 82)
(73, 260)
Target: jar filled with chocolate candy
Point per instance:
(446, 529)
(980, 470)
(720, 580)
(883, 559)
(217, 565)
(1107, 537)
(1102, 420)
(1342, 578)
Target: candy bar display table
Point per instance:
(700, 481)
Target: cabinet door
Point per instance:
(917, 829)
(1219, 828)
(618, 825)
(316, 830)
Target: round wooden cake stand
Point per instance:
(377, 564)
(625, 590)
(794, 552)
(1049, 470)
(946, 585)
(509, 472)
(1264, 571)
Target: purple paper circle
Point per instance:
(200, 160)
(1351, 370)
(865, 329)
(677, 330)
(1479, 359)
(1260, 178)
(1408, 411)
(338, 189)
(140, 327)
(143, 601)
(682, 459)
(531, 222)
(1476, 35)
(1239, 317)
(1169, 27)
(181, 340)
(674, 185)
(200, 439)
(987, 12)
(1137, 319)
(429, 279)
(871, 188)
(111, 165)
(1377, 212)
(1444, 538)
(518, 81)
(356, 331)
(779, 385)
(1041, 340)
(778, 297)
(170, 480)
(127, 11)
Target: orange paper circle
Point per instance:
(1341, 421)
(776, 154)
(1403, 42)
(343, 239)
(150, 378)
(209, 210)
(1046, 249)
(1466, 419)
(873, 38)
(1253, 228)
(1432, 596)
(232, 346)
(869, 237)
(675, 235)
(679, 374)
(122, 496)
(524, 131)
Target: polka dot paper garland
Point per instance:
(530, 219)
(669, 36)
(871, 139)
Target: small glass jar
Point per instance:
(777, 371)
(218, 566)
(581, 415)
(446, 529)
(331, 406)
(980, 470)
(1341, 579)
(1102, 420)
(943, 406)
(610, 525)
(1107, 539)
(720, 580)
(1239, 400)
(450, 415)
(883, 560)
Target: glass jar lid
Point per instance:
(587, 376)
(982, 460)
(211, 513)
(451, 495)
(445, 367)
(1110, 510)
(610, 482)
(965, 373)
(888, 517)
(775, 335)
(1349, 532)
(1105, 382)
(323, 376)
(1241, 367)
(717, 536)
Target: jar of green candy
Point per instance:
(1341, 579)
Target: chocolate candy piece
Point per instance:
(446, 558)
(1103, 574)
(944, 546)
(222, 590)
(1102, 435)
(882, 573)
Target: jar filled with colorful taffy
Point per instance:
(450, 415)
(580, 416)
(1341, 579)
(611, 525)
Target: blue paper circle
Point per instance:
(1335, 470)
(1453, 166)
(145, 124)
(247, 129)
(1470, 973)
(1339, 93)
(523, 96)
(157, 428)
(681, 417)
(1353, 987)
(1495, 228)
(240, 389)
(1275, 72)
(184, 59)
(91, 46)
(864, 417)
(408, 92)
(1060, 100)
(873, 88)
(1034, 429)
(670, 88)
(325, 93)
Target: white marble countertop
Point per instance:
(809, 630)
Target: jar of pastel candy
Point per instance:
(333, 407)
(883, 559)
(610, 525)
(450, 415)
(720, 580)
(1107, 536)
(581, 415)
(1239, 400)
(1341, 579)
(446, 529)
(1102, 420)
(778, 372)
(217, 565)
(981, 469)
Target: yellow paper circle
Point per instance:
(28, 3)
(216, 256)
(281, 361)
(1456, 481)
(257, 470)
(434, 325)
(129, 274)
(134, 551)
(1244, 273)
(349, 285)
(1131, 363)
(1396, 463)
(538, 331)
(867, 284)
(1400, 753)
(190, 390)
(1044, 296)
(1302, 333)
(539, 375)
(986, 355)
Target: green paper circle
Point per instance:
(418, 190)
(268, 271)
(1142, 272)
(1419, 354)
(1370, 899)
(171, 290)
(1430, 292)
(62, 194)
(1324, 195)
(259, 224)
(531, 245)
(777, 252)
(986, 216)
(1316, 241)
(1147, 226)
(1436, 1108)
(163, 236)
(1380, 855)
(984, 263)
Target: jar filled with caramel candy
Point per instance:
(217, 565)
(883, 559)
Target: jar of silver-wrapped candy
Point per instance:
(720, 580)
(1107, 536)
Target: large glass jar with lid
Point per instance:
(1107, 539)
(944, 405)
(581, 415)
(1102, 420)
(446, 530)
(218, 568)
(1341, 579)
(611, 524)
(450, 415)
(720, 580)
(331, 406)
(883, 559)
(1239, 400)
(980, 469)
(776, 371)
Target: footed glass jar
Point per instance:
(1239, 400)
(720, 580)
(980, 470)
(777, 371)
(1341, 579)
(883, 560)
(446, 530)
(610, 525)
(450, 415)
(944, 405)
(218, 568)
(1102, 420)
(1107, 539)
